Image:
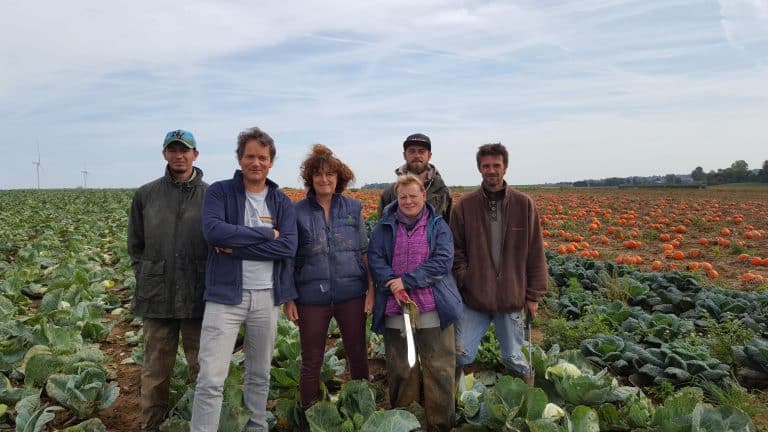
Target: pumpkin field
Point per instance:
(720, 234)
(656, 320)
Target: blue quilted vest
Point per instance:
(329, 267)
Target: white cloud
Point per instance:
(744, 21)
(101, 82)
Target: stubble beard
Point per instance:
(417, 168)
(494, 183)
(179, 171)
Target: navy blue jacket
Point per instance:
(435, 271)
(329, 265)
(223, 226)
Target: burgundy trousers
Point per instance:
(313, 330)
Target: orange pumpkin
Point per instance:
(743, 257)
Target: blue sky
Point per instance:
(575, 90)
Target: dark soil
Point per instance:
(125, 414)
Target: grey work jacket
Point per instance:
(167, 248)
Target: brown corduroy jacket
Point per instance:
(523, 273)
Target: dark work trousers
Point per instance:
(431, 377)
(161, 341)
(313, 330)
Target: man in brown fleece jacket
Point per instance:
(499, 263)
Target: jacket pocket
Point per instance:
(453, 293)
(448, 301)
(298, 272)
(361, 266)
(448, 289)
(151, 282)
(462, 277)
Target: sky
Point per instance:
(575, 90)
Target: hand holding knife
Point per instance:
(402, 297)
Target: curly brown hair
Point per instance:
(322, 158)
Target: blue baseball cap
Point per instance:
(182, 136)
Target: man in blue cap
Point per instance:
(168, 254)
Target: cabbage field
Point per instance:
(619, 346)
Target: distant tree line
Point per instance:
(738, 172)
(376, 185)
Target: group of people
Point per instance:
(209, 259)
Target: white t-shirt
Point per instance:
(257, 275)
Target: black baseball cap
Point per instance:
(417, 139)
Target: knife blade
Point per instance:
(409, 338)
(530, 344)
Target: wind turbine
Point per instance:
(85, 177)
(37, 166)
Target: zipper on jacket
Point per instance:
(429, 185)
(179, 214)
(503, 230)
(331, 258)
(498, 272)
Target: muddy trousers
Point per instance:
(431, 378)
(161, 341)
(313, 330)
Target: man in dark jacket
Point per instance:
(499, 263)
(251, 228)
(168, 253)
(417, 151)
